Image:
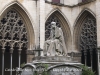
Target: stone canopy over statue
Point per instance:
(55, 44)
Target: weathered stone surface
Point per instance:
(53, 59)
(65, 70)
(58, 69)
(27, 71)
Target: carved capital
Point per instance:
(91, 51)
(11, 50)
(19, 51)
(3, 50)
(85, 52)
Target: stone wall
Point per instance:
(71, 14)
(39, 13)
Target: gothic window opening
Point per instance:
(53, 18)
(88, 42)
(13, 41)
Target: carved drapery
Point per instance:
(48, 25)
(12, 30)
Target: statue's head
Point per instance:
(53, 24)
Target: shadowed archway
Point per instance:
(16, 32)
(85, 34)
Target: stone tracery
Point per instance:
(13, 35)
(12, 29)
(88, 41)
(88, 35)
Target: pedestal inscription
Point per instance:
(65, 70)
(27, 71)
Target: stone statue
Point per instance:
(55, 45)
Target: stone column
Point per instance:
(19, 53)
(85, 55)
(11, 52)
(98, 28)
(42, 23)
(3, 51)
(91, 57)
(98, 52)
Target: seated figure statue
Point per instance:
(55, 45)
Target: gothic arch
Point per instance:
(63, 23)
(78, 25)
(26, 17)
(60, 12)
(17, 36)
(85, 38)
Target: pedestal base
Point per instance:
(52, 59)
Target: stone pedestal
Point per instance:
(52, 59)
(52, 65)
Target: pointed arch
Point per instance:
(29, 23)
(19, 20)
(61, 13)
(78, 25)
(64, 24)
(85, 38)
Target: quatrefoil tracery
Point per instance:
(12, 30)
(88, 39)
